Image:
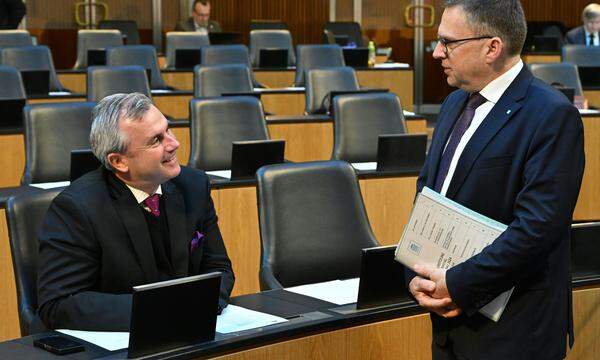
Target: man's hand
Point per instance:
(429, 289)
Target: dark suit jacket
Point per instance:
(188, 25)
(95, 246)
(11, 13)
(522, 167)
(576, 36)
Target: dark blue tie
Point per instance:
(592, 37)
(462, 124)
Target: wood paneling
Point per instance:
(12, 159)
(567, 12)
(9, 316)
(344, 10)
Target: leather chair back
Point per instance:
(313, 223)
(25, 214)
(348, 28)
(359, 119)
(265, 39)
(95, 39)
(15, 38)
(142, 55)
(215, 80)
(581, 55)
(103, 81)
(563, 73)
(215, 123)
(12, 84)
(320, 82)
(183, 40)
(267, 25)
(228, 54)
(316, 56)
(51, 132)
(31, 58)
(128, 29)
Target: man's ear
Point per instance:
(118, 161)
(495, 48)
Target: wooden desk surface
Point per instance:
(540, 58)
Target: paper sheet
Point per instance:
(391, 66)
(339, 292)
(408, 113)
(160, 91)
(365, 166)
(289, 88)
(236, 318)
(51, 185)
(588, 111)
(106, 339)
(59, 93)
(222, 173)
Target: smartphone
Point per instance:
(59, 345)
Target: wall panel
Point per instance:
(566, 11)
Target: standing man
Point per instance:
(11, 14)
(587, 34)
(510, 147)
(140, 219)
(200, 19)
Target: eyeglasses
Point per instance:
(445, 42)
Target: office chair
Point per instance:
(271, 39)
(93, 40)
(128, 29)
(216, 80)
(25, 214)
(228, 54)
(321, 82)
(32, 58)
(183, 40)
(103, 81)
(142, 55)
(316, 56)
(313, 223)
(347, 28)
(51, 132)
(267, 25)
(215, 123)
(359, 119)
(581, 55)
(563, 73)
(15, 38)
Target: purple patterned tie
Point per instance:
(152, 202)
(462, 124)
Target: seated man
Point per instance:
(587, 34)
(200, 19)
(139, 219)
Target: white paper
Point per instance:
(291, 88)
(236, 318)
(222, 173)
(588, 111)
(391, 66)
(160, 91)
(58, 93)
(106, 339)
(339, 292)
(365, 166)
(408, 113)
(51, 185)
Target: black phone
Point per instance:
(59, 345)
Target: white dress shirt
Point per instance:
(492, 93)
(587, 38)
(141, 195)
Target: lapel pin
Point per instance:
(508, 111)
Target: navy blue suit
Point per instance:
(522, 167)
(576, 36)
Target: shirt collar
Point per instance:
(140, 195)
(496, 88)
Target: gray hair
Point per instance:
(105, 136)
(591, 12)
(502, 18)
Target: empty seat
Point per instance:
(142, 55)
(92, 40)
(321, 82)
(51, 132)
(103, 81)
(31, 58)
(564, 74)
(581, 55)
(227, 54)
(183, 40)
(128, 28)
(12, 89)
(316, 56)
(313, 223)
(359, 119)
(217, 80)
(346, 28)
(271, 39)
(15, 38)
(215, 123)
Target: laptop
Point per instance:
(172, 314)
(545, 43)
(12, 113)
(381, 279)
(273, 58)
(187, 58)
(96, 57)
(249, 156)
(37, 82)
(356, 57)
(401, 152)
(225, 38)
(82, 162)
(589, 76)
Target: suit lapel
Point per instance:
(175, 208)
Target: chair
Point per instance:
(128, 29)
(95, 39)
(359, 119)
(15, 38)
(142, 55)
(215, 123)
(103, 81)
(183, 40)
(562, 73)
(321, 82)
(271, 39)
(25, 214)
(227, 54)
(216, 80)
(51, 132)
(581, 55)
(348, 28)
(316, 56)
(313, 223)
(267, 25)
(32, 58)
(585, 250)
(12, 89)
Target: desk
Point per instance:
(541, 57)
(592, 96)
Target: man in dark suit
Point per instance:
(510, 147)
(587, 34)
(11, 13)
(140, 219)
(200, 19)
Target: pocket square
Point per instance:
(196, 241)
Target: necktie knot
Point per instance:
(152, 202)
(475, 100)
